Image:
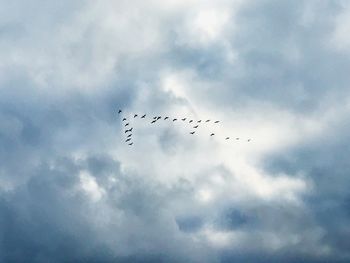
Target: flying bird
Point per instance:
(207, 121)
(135, 115)
(192, 132)
(126, 124)
(199, 121)
(212, 134)
(174, 119)
(153, 121)
(143, 116)
(120, 111)
(155, 117)
(124, 119)
(248, 140)
(127, 139)
(227, 138)
(131, 143)
(159, 117)
(216, 121)
(195, 126)
(183, 119)
(166, 118)
(237, 138)
(190, 121)
(129, 135)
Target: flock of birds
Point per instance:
(128, 130)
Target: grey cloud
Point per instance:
(42, 223)
(46, 216)
(45, 219)
(324, 162)
(281, 59)
(189, 224)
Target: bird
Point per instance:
(174, 119)
(212, 134)
(124, 119)
(190, 121)
(131, 143)
(126, 124)
(216, 121)
(143, 116)
(159, 117)
(127, 139)
(207, 121)
(183, 119)
(120, 111)
(153, 121)
(199, 121)
(195, 126)
(192, 132)
(166, 118)
(126, 131)
(237, 138)
(248, 140)
(135, 115)
(227, 138)
(129, 135)
(155, 117)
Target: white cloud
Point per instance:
(89, 185)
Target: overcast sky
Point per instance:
(275, 71)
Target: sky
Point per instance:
(275, 71)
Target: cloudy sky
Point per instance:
(275, 71)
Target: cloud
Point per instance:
(274, 72)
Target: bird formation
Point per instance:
(129, 135)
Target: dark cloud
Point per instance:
(189, 224)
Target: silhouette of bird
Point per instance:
(126, 124)
(120, 111)
(153, 121)
(227, 138)
(135, 115)
(124, 119)
(155, 117)
(131, 143)
(248, 140)
(174, 119)
(192, 132)
(216, 121)
(166, 118)
(183, 119)
(237, 138)
(159, 117)
(129, 135)
(207, 121)
(199, 121)
(126, 131)
(212, 134)
(190, 121)
(143, 116)
(195, 126)
(127, 139)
